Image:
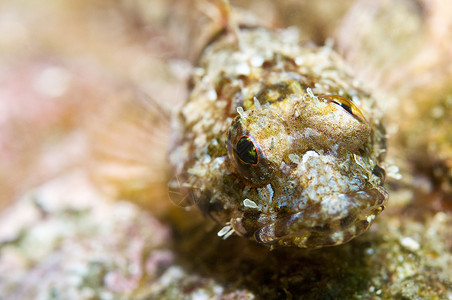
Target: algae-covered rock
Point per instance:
(63, 240)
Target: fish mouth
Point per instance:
(298, 230)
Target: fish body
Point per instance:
(278, 141)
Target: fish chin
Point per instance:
(304, 231)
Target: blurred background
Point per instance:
(74, 76)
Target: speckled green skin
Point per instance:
(318, 180)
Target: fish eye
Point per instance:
(247, 151)
(346, 105)
(257, 141)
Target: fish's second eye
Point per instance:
(346, 105)
(246, 151)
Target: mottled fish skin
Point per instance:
(279, 142)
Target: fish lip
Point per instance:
(290, 231)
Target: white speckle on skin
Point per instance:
(338, 237)
(370, 218)
(294, 158)
(335, 204)
(284, 168)
(223, 231)
(359, 161)
(219, 161)
(240, 111)
(308, 155)
(299, 61)
(257, 104)
(206, 159)
(199, 171)
(250, 203)
(212, 95)
(257, 61)
(270, 192)
(243, 69)
(352, 230)
(201, 139)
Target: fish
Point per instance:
(278, 141)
